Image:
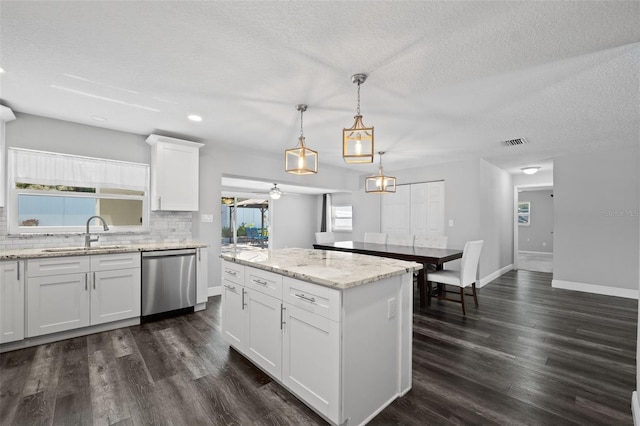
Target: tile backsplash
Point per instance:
(163, 227)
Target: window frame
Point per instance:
(334, 217)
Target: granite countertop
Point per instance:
(334, 269)
(97, 249)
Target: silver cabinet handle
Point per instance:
(199, 255)
(160, 203)
(243, 304)
(18, 270)
(257, 281)
(308, 299)
(282, 309)
(230, 287)
(230, 272)
(94, 280)
(86, 284)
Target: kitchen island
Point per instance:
(333, 328)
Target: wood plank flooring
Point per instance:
(529, 354)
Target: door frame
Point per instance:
(516, 190)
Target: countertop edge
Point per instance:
(24, 254)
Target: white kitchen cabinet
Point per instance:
(65, 293)
(6, 115)
(263, 331)
(311, 359)
(202, 276)
(174, 173)
(232, 320)
(11, 301)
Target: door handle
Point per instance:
(282, 309)
(18, 270)
(243, 304)
(86, 284)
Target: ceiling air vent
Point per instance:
(515, 142)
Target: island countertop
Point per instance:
(334, 269)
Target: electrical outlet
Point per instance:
(391, 308)
(207, 218)
(450, 223)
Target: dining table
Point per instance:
(425, 255)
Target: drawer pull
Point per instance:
(257, 281)
(308, 299)
(230, 272)
(230, 287)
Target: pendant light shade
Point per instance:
(357, 140)
(301, 160)
(380, 184)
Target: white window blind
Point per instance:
(50, 168)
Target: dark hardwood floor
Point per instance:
(529, 354)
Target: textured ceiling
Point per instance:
(447, 80)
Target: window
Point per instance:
(341, 218)
(57, 193)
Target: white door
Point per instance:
(115, 295)
(57, 303)
(396, 211)
(419, 208)
(435, 208)
(232, 321)
(11, 301)
(311, 359)
(262, 332)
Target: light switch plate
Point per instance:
(450, 223)
(207, 218)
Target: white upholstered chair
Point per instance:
(431, 242)
(400, 240)
(375, 237)
(462, 278)
(325, 237)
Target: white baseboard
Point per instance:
(214, 291)
(495, 274)
(635, 408)
(535, 252)
(597, 289)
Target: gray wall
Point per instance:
(596, 219)
(538, 236)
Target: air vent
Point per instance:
(515, 142)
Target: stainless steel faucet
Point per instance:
(87, 238)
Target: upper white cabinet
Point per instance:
(5, 115)
(174, 173)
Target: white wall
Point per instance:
(294, 221)
(596, 225)
(538, 235)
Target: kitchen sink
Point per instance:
(80, 249)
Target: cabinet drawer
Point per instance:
(108, 262)
(232, 272)
(57, 266)
(314, 298)
(265, 282)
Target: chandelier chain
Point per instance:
(301, 121)
(358, 108)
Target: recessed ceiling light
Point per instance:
(2, 70)
(530, 170)
(99, 118)
(194, 117)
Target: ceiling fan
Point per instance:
(275, 192)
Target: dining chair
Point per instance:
(464, 277)
(325, 237)
(431, 241)
(375, 237)
(400, 240)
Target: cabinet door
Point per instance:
(262, 332)
(57, 303)
(115, 295)
(177, 177)
(11, 301)
(202, 276)
(232, 321)
(310, 359)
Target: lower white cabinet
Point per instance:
(233, 314)
(263, 331)
(11, 301)
(78, 291)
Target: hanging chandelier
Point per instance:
(301, 160)
(380, 184)
(357, 141)
(275, 192)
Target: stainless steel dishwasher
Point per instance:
(168, 281)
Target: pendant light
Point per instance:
(357, 141)
(380, 184)
(301, 160)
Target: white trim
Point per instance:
(635, 408)
(535, 252)
(495, 274)
(597, 289)
(214, 291)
